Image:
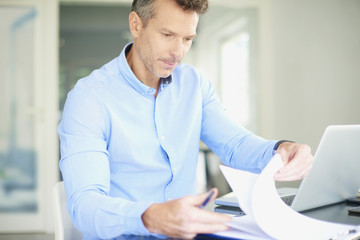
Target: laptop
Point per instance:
(334, 177)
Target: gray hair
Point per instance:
(145, 8)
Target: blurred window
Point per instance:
(235, 92)
(18, 158)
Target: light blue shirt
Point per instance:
(122, 149)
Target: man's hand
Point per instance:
(298, 161)
(183, 218)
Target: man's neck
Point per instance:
(145, 77)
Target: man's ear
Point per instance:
(135, 24)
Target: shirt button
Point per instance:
(162, 137)
(174, 170)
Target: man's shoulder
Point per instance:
(98, 78)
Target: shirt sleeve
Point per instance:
(85, 169)
(236, 146)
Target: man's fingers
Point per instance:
(178, 218)
(295, 172)
(203, 221)
(205, 216)
(298, 170)
(293, 153)
(298, 162)
(203, 198)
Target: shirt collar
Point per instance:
(132, 80)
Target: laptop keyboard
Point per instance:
(238, 212)
(288, 199)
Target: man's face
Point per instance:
(166, 38)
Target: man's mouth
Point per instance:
(170, 63)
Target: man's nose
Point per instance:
(177, 48)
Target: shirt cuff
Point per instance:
(121, 218)
(134, 220)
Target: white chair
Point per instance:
(64, 228)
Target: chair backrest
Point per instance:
(64, 228)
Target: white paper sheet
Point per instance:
(267, 216)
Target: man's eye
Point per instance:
(166, 34)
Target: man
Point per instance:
(130, 134)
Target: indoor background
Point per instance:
(285, 69)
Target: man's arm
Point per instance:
(239, 148)
(86, 172)
(236, 146)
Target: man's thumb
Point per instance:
(207, 197)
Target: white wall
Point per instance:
(308, 66)
(316, 76)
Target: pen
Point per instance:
(210, 194)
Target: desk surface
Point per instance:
(334, 213)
